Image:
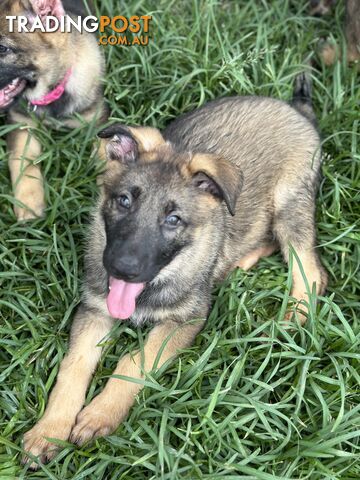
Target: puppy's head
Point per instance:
(31, 64)
(157, 202)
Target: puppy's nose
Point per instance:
(126, 267)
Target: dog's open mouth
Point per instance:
(121, 299)
(10, 91)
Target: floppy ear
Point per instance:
(44, 8)
(125, 144)
(218, 177)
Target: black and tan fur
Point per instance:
(330, 52)
(41, 60)
(242, 174)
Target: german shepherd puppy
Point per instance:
(330, 52)
(220, 188)
(52, 75)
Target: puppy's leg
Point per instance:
(109, 408)
(352, 30)
(253, 257)
(26, 177)
(100, 152)
(68, 395)
(294, 225)
(330, 52)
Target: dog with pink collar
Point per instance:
(50, 75)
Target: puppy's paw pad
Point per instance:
(90, 424)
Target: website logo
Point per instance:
(132, 30)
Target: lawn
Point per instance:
(250, 400)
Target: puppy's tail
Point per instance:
(301, 100)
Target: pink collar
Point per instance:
(55, 94)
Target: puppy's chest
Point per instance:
(55, 115)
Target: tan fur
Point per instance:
(112, 405)
(253, 257)
(106, 410)
(51, 55)
(261, 144)
(219, 170)
(205, 163)
(330, 52)
(26, 176)
(153, 154)
(148, 138)
(315, 277)
(68, 395)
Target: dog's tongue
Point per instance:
(4, 98)
(10, 91)
(122, 297)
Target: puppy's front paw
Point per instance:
(37, 444)
(24, 215)
(96, 420)
(329, 52)
(296, 313)
(33, 201)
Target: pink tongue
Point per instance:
(121, 298)
(2, 97)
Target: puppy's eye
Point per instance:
(172, 221)
(124, 201)
(4, 49)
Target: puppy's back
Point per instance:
(248, 131)
(266, 139)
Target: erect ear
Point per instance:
(125, 144)
(218, 177)
(44, 8)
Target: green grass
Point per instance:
(250, 400)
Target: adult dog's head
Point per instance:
(162, 209)
(31, 64)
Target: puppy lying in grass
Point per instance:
(220, 188)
